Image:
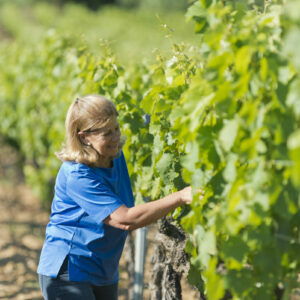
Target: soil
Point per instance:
(22, 234)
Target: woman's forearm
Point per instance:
(147, 213)
(144, 214)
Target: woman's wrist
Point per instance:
(180, 197)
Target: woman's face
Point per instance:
(106, 140)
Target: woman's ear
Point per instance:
(83, 138)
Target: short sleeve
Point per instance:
(92, 195)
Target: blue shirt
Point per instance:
(84, 197)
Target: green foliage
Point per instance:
(98, 4)
(133, 34)
(249, 68)
(224, 118)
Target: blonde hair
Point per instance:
(86, 113)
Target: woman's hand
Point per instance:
(186, 195)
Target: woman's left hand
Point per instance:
(186, 195)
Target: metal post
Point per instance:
(140, 253)
(140, 250)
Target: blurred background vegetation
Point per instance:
(134, 29)
(48, 52)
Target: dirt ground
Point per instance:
(23, 224)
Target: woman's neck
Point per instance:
(105, 163)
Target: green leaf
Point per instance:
(198, 13)
(207, 247)
(263, 68)
(293, 97)
(294, 151)
(243, 58)
(206, 3)
(162, 105)
(164, 167)
(282, 91)
(228, 134)
(194, 278)
(235, 248)
(240, 281)
(291, 45)
(214, 282)
(294, 141)
(200, 24)
(190, 160)
(229, 172)
(150, 97)
(196, 10)
(263, 200)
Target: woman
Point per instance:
(93, 207)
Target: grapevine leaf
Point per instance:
(228, 134)
(243, 58)
(215, 284)
(196, 10)
(294, 150)
(150, 97)
(235, 247)
(229, 172)
(194, 279)
(164, 167)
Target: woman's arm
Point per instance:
(144, 214)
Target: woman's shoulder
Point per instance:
(121, 157)
(73, 168)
